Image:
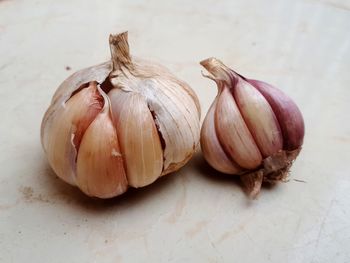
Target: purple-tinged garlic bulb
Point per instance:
(252, 129)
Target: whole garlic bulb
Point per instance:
(252, 129)
(125, 122)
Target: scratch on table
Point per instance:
(180, 205)
(297, 227)
(5, 65)
(228, 234)
(8, 206)
(337, 5)
(224, 236)
(212, 244)
(342, 139)
(299, 181)
(198, 227)
(145, 242)
(321, 229)
(238, 229)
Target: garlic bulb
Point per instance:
(252, 129)
(125, 122)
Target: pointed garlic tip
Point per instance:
(119, 48)
(138, 137)
(100, 168)
(212, 150)
(211, 63)
(218, 70)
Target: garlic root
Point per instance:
(275, 168)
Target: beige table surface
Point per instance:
(194, 215)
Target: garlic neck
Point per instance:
(120, 53)
(220, 73)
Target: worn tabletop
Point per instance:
(195, 214)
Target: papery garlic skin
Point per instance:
(259, 129)
(122, 123)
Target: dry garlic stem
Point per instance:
(252, 129)
(122, 123)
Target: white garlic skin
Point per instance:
(250, 127)
(122, 123)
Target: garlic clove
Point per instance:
(138, 137)
(179, 126)
(211, 148)
(100, 168)
(67, 128)
(287, 113)
(234, 134)
(174, 112)
(259, 117)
